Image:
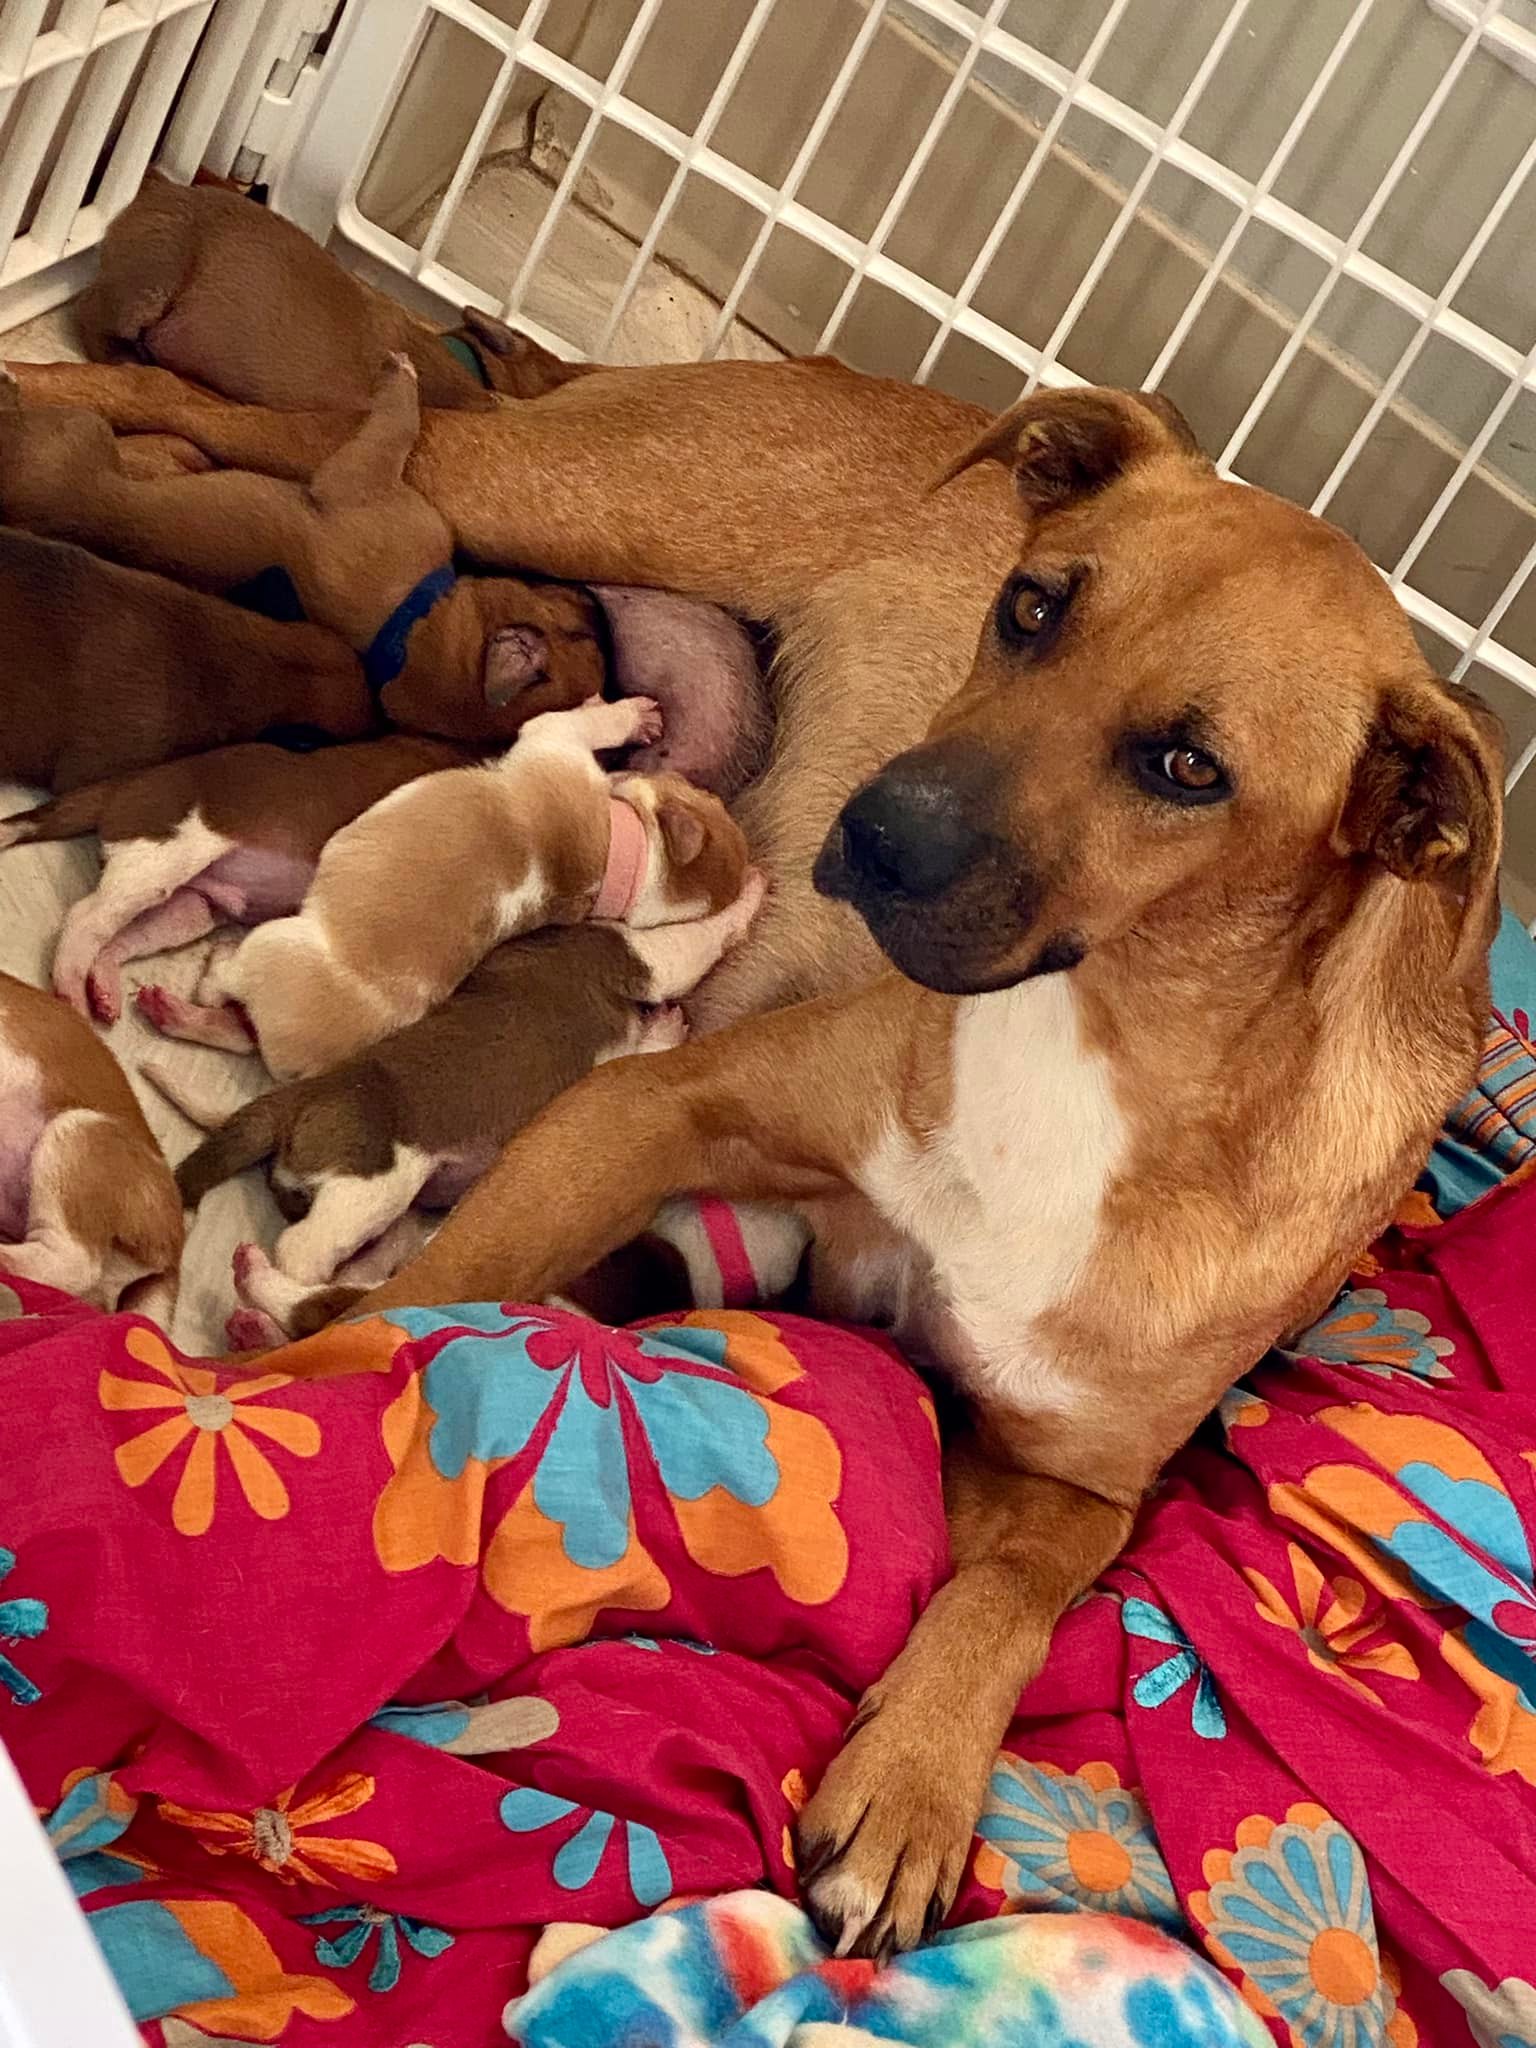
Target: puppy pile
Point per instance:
(286, 708)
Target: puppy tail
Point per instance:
(250, 1136)
(62, 817)
(181, 1094)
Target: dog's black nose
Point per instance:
(908, 833)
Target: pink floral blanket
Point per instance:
(337, 1690)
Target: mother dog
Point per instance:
(1189, 885)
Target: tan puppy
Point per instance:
(229, 837)
(87, 1202)
(409, 898)
(109, 670)
(418, 1117)
(223, 291)
(467, 657)
(1190, 889)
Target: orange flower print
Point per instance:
(282, 1838)
(204, 1413)
(1334, 1628)
(796, 1793)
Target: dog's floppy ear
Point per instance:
(1067, 444)
(682, 831)
(514, 659)
(1427, 802)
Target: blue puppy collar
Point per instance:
(384, 657)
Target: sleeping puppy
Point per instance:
(410, 897)
(203, 281)
(87, 1202)
(419, 1116)
(228, 837)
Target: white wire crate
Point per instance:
(1309, 221)
(90, 92)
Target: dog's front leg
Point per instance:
(779, 1107)
(883, 1844)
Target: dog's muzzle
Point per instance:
(949, 897)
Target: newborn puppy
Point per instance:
(229, 837)
(419, 1116)
(409, 898)
(87, 1202)
(206, 283)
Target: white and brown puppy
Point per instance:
(409, 898)
(420, 1116)
(87, 1202)
(228, 837)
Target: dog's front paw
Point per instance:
(248, 1329)
(883, 1845)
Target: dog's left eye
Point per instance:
(1179, 773)
(1029, 613)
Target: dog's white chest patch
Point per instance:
(1006, 1200)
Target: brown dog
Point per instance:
(87, 1202)
(228, 837)
(1190, 885)
(220, 290)
(110, 670)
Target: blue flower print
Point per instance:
(1363, 1330)
(526, 1810)
(362, 1925)
(20, 1621)
(1156, 1687)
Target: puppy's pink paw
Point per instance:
(157, 1006)
(247, 1329)
(104, 992)
(249, 1262)
(662, 1028)
(648, 720)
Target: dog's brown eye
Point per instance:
(1028, 614)
(1190, 769)
(1175, 772)
(1032, 610)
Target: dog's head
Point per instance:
(1189, 696)
(697, 855)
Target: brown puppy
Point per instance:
(230, 837)
(410, 897)
(218, 289)
(1190, 887)
(109, 670)
(87, 1202)
(467, 657)
(420, 1116)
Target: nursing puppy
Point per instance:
(208, 284)
(420, 1116)
(409, 898)
(228, 837)
(108, 670)
(87, 1202)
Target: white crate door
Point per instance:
(94, 91)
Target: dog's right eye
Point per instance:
(1029, 613)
